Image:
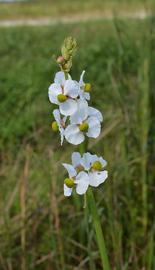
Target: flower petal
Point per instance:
(71, 88)
(68, 107)
(82, 183)
(96, 113)
(76, 158)
(56, 114)
(53, 91)
(67, 191)
(103, 161)
(81, 82)
(97, 178)
(60, 78)
(81, 114)
(74, 135)
(70, 169)
(94, 127)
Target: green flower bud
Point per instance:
(87, 87)
(69, 182)
(97, 165)
(68, 50)
(84, 127)
(61, 98)
(54, 126)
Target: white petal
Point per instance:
(70, 169)
(87, 160)
(81, 82)
(71, 88)
(76, 158)
(96, 113)
(97, 178)
(103, 161)
(60, 78)
(81, 114)
(53, 91)
(67, 191)
(56, 114)
(94, 127)
(68, 107)
(82, 181)
(74, 135)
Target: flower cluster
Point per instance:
(87, 170)
(74, 118)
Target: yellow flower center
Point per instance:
(97, 166)
(87, 87)
(61, 98)
(54, 126)
(69, 182)
(83, 127)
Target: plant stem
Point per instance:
(66, 75)
(98, 229)
(96, 219)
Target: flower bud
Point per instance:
(60, 59)
(61, 98)
(97, 165)
(87, 87)
(54, 126)
(69, 182)
(84, 127)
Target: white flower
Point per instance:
(63, 93)
(85, 121)
(83, 94)
(84, 171)
(61, 123)
(94, 165)
(79, 180)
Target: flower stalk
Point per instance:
(98, 229)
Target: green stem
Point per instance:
(66, 75)
(98, 229)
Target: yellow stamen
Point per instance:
(61, 98)
(97, 166)
(83, 127)
(69, 182)
(87, 87)
(54, 126)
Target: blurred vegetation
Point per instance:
(50, 8)
(39, 228)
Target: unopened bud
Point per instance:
(54, 126)
(87, 87)
(84, 127)
(69, 182)
(61, 98)
(97, 165)
(60, 59)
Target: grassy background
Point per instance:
(53, 8)
(39, 228)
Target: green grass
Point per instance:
(39, 228)
(52, 8)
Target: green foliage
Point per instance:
(40, 228)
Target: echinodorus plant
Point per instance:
(77, 121)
